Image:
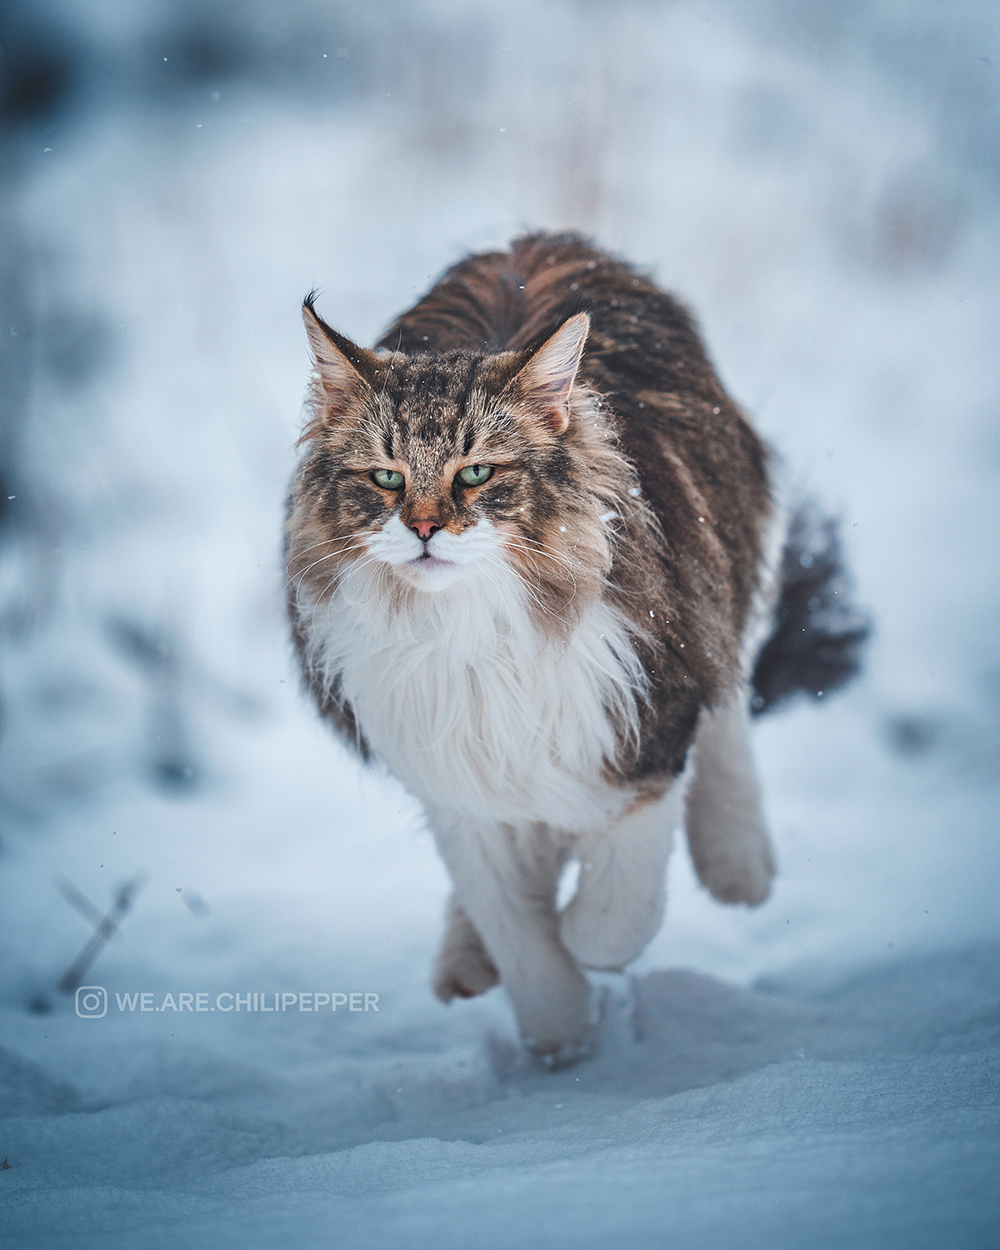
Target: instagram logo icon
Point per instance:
(91, 1002)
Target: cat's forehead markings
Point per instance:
(446, 377)
(430, 402)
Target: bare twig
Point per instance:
(105, 928)
(78, 900)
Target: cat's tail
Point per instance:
(818, 634)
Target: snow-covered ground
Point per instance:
(820, 183)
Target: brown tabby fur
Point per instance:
(648, 415)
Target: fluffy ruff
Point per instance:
(463, 695)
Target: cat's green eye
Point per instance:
(475, 474)
(388, 479)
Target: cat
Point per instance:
(531, 557)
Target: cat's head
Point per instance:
(427, 470)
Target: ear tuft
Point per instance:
(343, 369)
(545, 382)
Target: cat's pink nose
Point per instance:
(424, 529)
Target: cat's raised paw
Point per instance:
(464, 974)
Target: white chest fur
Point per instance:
(475, 708)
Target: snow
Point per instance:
(821, 1071)
(862, 1115)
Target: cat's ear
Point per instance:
(344, 370)
(545, 382)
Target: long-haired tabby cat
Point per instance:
(527, 556)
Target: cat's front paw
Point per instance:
(463, 973)
(463, 967)
(567, 1054)
(556, 1014)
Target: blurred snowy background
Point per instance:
(821, 182)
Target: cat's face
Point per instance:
(435, 469)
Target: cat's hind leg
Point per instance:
(619, 902)
(463, 967)
(725, 825)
